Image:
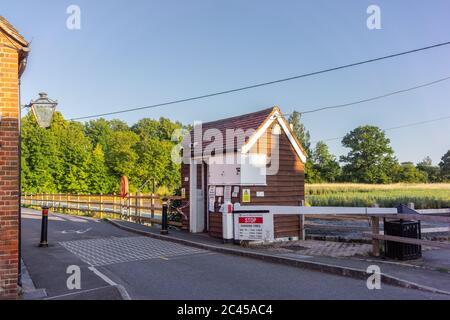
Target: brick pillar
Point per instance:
(9, 163)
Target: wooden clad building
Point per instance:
(252, 159)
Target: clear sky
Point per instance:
(135, 53)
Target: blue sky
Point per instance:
(136, 53)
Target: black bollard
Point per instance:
(164, 217)
(44, 227)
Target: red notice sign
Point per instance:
(250, 220)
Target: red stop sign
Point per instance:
(249, 220)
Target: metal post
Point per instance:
(89, 203)
(141, 202)
(44, 227)
(129, 209)
(152, 206)
(114, 205)
(375, 242)
(164, 217)
(121, 207)
(101, 205)
(137, 207)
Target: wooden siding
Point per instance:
(286, 226)
(285, 188)
(215, 225)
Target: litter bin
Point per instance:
(406, 229)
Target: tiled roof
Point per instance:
(250, 121)
(6, 27)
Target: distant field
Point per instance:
(424, 196)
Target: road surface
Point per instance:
(146, 268)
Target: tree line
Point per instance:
(371, 159)
(72, 157)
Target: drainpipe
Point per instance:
(23, 54)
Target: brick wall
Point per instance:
(9, 168)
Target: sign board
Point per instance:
(219, 191)
(124, 186)
(237, 169)
(211, 198)
(227, 194)
(253, 169)
(246, 195)
(253, 226)
(222, 171)
(235, 193)
(183, 193)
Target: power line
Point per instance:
(266, 83)
(397, 127)
(374, 98)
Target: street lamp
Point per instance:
(43, 109)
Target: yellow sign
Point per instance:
(245, 195)
(183, 193)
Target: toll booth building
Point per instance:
(247, 160)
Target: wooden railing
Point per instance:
(374, 214)
(140, 208)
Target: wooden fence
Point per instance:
(374, 214)
(140, 208)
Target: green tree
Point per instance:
(300, 131)
(311, 175)
(370, 159)
(409, 173)
(324, 164)
(121, 157)
(38, 157)
(432, 172)
(99, 179)
(98, 131)
(76, 158)
(154, 150)
(445, 166)
(73, 151)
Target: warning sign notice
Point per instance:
(254, 226)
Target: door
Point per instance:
(197, 200)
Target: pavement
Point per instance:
(120, 264)
(431, 273)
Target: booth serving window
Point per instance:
(240, 169)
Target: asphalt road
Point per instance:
(117, 264)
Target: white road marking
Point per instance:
(123, 292)
(102, 276)
(76, 231)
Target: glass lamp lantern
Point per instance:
(43, 109)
